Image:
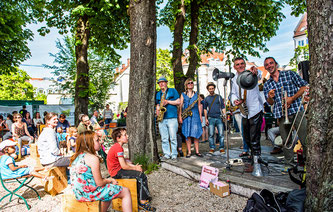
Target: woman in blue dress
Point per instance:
(191, 125)
(87, 182)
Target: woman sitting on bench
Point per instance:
(87, 182)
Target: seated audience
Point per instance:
(85, 124)
(71, 143)
(63, 123)
(87, 182)
(20, 130)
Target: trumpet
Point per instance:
(284, 96)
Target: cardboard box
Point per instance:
(208, 174)
(219, 188)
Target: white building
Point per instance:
(300, 38)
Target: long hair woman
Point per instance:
(191, 125)
(87, 182)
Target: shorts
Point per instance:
(203, 123)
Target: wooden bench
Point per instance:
(70, 204)
(131, 185)
(58, 183)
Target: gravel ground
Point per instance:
(170, 192)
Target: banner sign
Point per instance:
(68, 110)
(4, 110)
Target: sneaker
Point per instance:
(222, 151)
(163, 159)
(276, 150)
(146, 207)
(174, 159)
(211, 151)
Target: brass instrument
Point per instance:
(306, 93)
(187, 112)
(284, 96)
(162, 109)
(243, 107)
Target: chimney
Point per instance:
(122, 66)
(128, 62)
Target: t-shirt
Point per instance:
(63, 125)
(172, 95)
(61, 137)
(217, 105)
(7, 173)
(114, 153)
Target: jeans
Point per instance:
(238, 119)
(215, 122)
(168, 129)
(272, 133)
(24, 138)
(108, 121)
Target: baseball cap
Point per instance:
(162, 79)
(6, 143)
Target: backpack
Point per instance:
(262, 202)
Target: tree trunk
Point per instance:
(82, 79)
(193, 39)
(319, 182)
(140, 122)
(177, 51)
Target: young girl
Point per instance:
(8, 167)
(87, 182)
(71, 143)
(62, 139)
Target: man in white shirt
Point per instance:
(252, 121)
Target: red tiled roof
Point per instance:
(265, 73)
(204, 57)
(301, 26)
(37, 79)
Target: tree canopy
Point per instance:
(101, 72)
(15, 86)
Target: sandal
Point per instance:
(243, 154)
(199, 155)
(188, 155)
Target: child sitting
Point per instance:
(71, 143)
(87, 182)
(62, 140)
(8, 167)
(120, 168)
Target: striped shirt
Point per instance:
(288, 81)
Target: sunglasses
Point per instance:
(189, 83)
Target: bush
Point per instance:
(121, 122)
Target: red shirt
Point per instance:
(114, 153)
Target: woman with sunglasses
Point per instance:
(191, 125)
(20, 130)
(48, 147)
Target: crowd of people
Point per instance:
(189, 115)
(193, 113)
(79, 148)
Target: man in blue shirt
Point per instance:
(214, 109)
(251, 122)
(274, 89)
(169, 125)
(63, 123)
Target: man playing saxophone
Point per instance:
(167, 99)
(294, 86)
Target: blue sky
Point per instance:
(281, 46)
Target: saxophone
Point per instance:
(162, 109)
(188, 112)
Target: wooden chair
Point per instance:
(23, 181)
(131, 185)
(40, 128)
(58, 183)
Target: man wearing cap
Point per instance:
(251, 122)
(294, 85)
(168, 126)
(214, 109)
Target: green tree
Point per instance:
(164, 66)
(15, 86)
(14, 37)
(101, 72)
(234, 27)
(101, 25)
(301, 53)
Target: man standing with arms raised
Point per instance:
(278, 83)
(252, 120)
(214, 109)
(167, 98)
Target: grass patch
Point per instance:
(147, 166)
